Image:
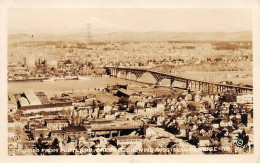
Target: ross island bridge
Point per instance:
(190, 84)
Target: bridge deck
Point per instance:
(180, 77)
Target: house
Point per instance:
(129, 116)
(107, 108)
(124, 93)
(179, 120)
(150, 132)
(194, 127)
(12, 107)
(244, 98)
(160, 105)
(45, 140)
(189, 135)
(123, 141)
(197, 97)
(203, 132)
(160, 120)
(149, 104)
(41, 132)
(250, 123)
(183, 130)
(188, 97)
(203, 141)
(150, 110)
(224, 123)
(110, 117)
(10, 122)
(216, 97)
(158, 132)
(230, 123)
(140, 103)
(139, 109)
(59, 134)
(204, 110)
(49, 115)
(209, 117)
(215, 123)
(75, 132)
(56, 124)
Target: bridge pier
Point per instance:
(208, 85)
(236, 90)
(218, 88)
(158, 82)
(195, 85)
(113, 72)
(187, 84)
(228, 89)
(127, 75)
(172, 83)
(118, 74)
(138, 74)
(202, 86)
(223, 88)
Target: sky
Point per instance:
(67, 21)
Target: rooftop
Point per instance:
(127, 137)
(127, 92)
(57, 120)
(57, 131)
(74, 128)
(32, 98)
(30, 107)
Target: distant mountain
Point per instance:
(141, 36)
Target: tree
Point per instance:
(69, 139)
(243, 137)
(55, 147)
(123, 100)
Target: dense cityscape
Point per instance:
(120, 115)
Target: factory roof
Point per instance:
(31, 107)
(32, 98)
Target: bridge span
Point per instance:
(191, 84)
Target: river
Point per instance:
(66, 85)
(60, 86)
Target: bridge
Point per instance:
(191, 84)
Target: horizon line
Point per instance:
(130, 32)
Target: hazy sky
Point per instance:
(64, 21)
